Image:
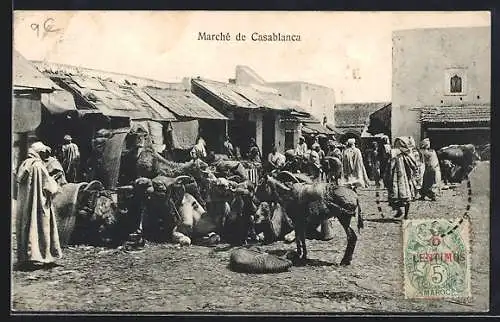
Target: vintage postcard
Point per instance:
(244, 161)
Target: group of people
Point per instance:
(37, 181)
(350, 160)
(411, 172)
(405, 171)
(199, 150)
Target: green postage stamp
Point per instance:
(436, 259)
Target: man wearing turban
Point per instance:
(353, 168)
(400, 184)
(36, 227)
(432, 172)
(70, 157)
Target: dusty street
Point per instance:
(170, 278)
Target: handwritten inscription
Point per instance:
(46, 27)
(255, 36)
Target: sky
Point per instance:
(350, 52)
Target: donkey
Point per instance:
(323, 200)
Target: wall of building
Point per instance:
(246, 76)
(423, 61)
(319, 100)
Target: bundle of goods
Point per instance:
(255, 261)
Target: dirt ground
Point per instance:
(166, 278)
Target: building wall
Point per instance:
(281, 127)
(246, 76)
(423, 61)
(319, 100)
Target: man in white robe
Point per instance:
(353, 169)
(36, 226)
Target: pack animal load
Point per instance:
(306, 202)
(88, 214)
(457, 161)
(254, 261)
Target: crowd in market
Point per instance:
(405, 171)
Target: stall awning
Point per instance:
(184, 134)
(183, 103)
(116, 100)
(26, 76)
(316, 128)
(59, 101)
(248, 97)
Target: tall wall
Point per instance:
(319, 100)
(281, 126)
(424, 60)
(246, 76)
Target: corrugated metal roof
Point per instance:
(267, 99)
(224, 91)
(248, 96)
(355, 115)
(68, 70)
(456, 114)
(26, 75)
(113, 99)
(59, 101)
(184, 103)
(89, 83)
(161, 112)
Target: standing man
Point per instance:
(36, 225)
(399, 183)
(316, 157)
(432, 172)
(353, 169)
(228, 148)
(385, 159)
(70, 157)
(373, 160)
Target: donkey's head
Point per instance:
(263, 213)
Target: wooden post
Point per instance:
(23, 148)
